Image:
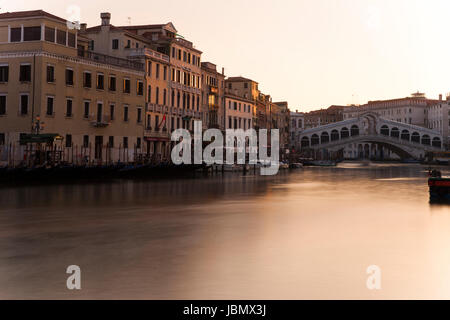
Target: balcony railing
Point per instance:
(136, 52)
(100, 121)
(102, 58)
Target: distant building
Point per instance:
(323, 116)
(213, 99)
(297, 125)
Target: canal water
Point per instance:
(304, 234)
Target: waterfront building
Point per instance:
(297, 125)
(283, 124)
(213, 98)
(238, 112)
(438, 119)
(184, 75)
(157, 119)
(53, 82)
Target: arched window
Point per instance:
(354, 130)
(426, 140)
(315, 139)
(395, 133)
(405, 135)
(436, 142)
(324, 137)
(334, 135)
(384, 130)
(415, 137)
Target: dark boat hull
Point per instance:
(439, 189)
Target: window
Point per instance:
(179, 54)
(2, 139)
(128, 44)
(112, 83)
(68, 140)
(50, 74)
(2, 105)
(49, 34)
(69, 108)
(69, 77)
(31, 33)
(61, 37)
(25, 73)
(157, 95)
(16, 34)
(91, 45)
(86, 109)
(164, 97)
(50, 101)
(140, 88)
(71, 39)
(173, 52)
(87, 79)
(4, 73)
(165, 73)
(157, 71)
(100, 81)
(115, 44)
(126, 86)
(112, 113)
(111, 142)
(245, 85)
(138, 143)
(125, 113)
(85, 141)
(125, 142)
(139, 115)
(149, 68)
(149, 94)
(24, 104)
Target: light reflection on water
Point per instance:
(302, 234)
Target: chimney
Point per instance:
(106, 18)
(223, 71)
(440, 97)
(83, 27)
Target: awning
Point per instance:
(39, 138)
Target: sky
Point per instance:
(311, 53)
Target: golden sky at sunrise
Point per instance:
(312, 53)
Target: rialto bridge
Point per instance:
(372, 134)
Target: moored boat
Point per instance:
(439, 187)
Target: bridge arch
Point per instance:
(426, 140)
(415, 137)
(437, 142)
(405, 135)
(334, 135)
(324, 137)
(395, 133)
(384, 130)
(315, 139)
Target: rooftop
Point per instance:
(29, 14)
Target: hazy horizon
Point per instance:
(312, 54)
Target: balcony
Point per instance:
(139, 52)
(102, 58)
(157, 133)
(100, 121)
